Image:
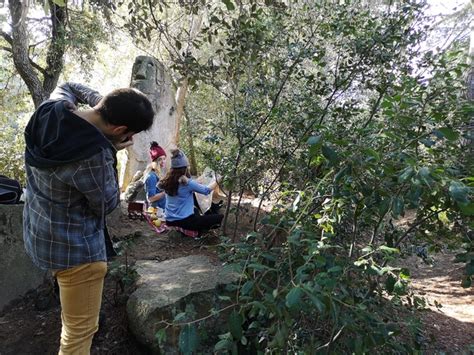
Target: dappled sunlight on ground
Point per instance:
(451, 326)
(198, 271)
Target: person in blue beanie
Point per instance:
(179, 188)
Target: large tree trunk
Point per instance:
(150, 77)
(21, 59)
(19, 42)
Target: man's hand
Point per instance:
(70, 106)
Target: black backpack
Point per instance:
(10, 191)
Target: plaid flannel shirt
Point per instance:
(65, 211)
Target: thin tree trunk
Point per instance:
(57, 48)
(192, 153)
(180, 102)
(470, 91)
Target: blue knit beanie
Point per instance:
(178, 159)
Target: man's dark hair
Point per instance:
(127, 107)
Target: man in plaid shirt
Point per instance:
(71, 186)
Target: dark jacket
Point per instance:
(71, 183)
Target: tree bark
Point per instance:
(180, 102)
(192, 154)
(470, 89)
(21, 59)
(19, 41)
(55, 56)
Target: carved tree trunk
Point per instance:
(19, 42)
(150, 77)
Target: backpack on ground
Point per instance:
(10, 191)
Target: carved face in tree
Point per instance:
(147, 75)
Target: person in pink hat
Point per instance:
(155, 196)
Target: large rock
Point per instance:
(190, 284)
(18, 274)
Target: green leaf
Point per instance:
(386, 103)
(235, 325)
(60, 3)
(466, 281)
(346, 170)
(467, 210)
(399, 288)
(425, 175)
(470, 268)
(389, 250)
(384, 206)
(230, 6)
(329, 153)
(160, 335)
(398, 207)
(224, 344)
(390, 283)
(335, 269)
(180, 317)
(449, 133)
(372, 154)
(188, 339)
(459, 192)
(315, 300)
(247, 287)
(405, 274)
(406, 174)
(293, 298)
(314, 140)
(259, 267)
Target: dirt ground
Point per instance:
(449, 328)
(24, 329)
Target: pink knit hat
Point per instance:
(156, 151)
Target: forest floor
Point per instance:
(448, 321)
(26, 330)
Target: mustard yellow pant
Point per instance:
(81, 294)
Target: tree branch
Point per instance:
(21, 59)
(6, 36)
(56, 49)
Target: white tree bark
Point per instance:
(150, 77)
